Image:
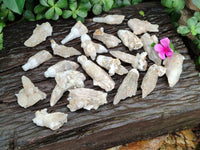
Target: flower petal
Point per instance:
(158, 48)
(165, 42)
(162, 55)
(169, 52)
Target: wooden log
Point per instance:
(164, 110)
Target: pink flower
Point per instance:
(164, 48)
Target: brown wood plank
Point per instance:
(164, 110)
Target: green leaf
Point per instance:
(196, 41)
(51, 2)
(39, 16)
(82, 13)
(175, 15)
(80, 19)
(153, 44)
(117, 4)
(39, 8)
(85, 6)
(108, 3)
(94, 1)
(141, 13)
(197, 15)
(11, 16)
(167, 3)
(196, 3)
(197, 30)
(183, 30)
(126, 2)
(49, 13)
(74, 14)
(29, 15)
(136, 2)
(171, 46)
(192, 22)
(178, 4)
(44, 3)
(29, 5)
(58, 11)
(15, 5)
(66, 14)
(55, 17)
(62, 3)
(2, 25)
(1, 37)
(73, 4)
(97, 9)
(197, 25)
(1, 1)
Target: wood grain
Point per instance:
(164, 110)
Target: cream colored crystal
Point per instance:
(40, 33)
(36, 60)
(142, 26)
(147, 40)
(61, 66)
(128, 87)
(130, 40)
(138, 62)
(112, 65)
(50, 120)
(90, 48)
(150, 79)
(86, 98)
(110, 19)
(66, 80)
(108, 39)
(30, 94)
(99, 76)
(63, 51)
(76, 31)
(174, 68)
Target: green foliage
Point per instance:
(196, 3)
(173, 4)
(183, 30)
(32, 10)
(15, 5)
(141, 13)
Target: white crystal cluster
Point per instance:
(69, 79)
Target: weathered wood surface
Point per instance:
(164, 110)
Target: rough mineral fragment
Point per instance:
(66, 80)
(63, 51)
(150, 79)
(30, 94)
(128, 87)
(86, 98)
(40, 33)
(147, 40)
(112, 65)
(174, 68)
(108, 39)
(50, 120)
(130, 40)
(141, 26)
(36, 60)
(99, 76)
(61, 66)
(110, 19)
(76, 31)
(90, 48)
(138, 62)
